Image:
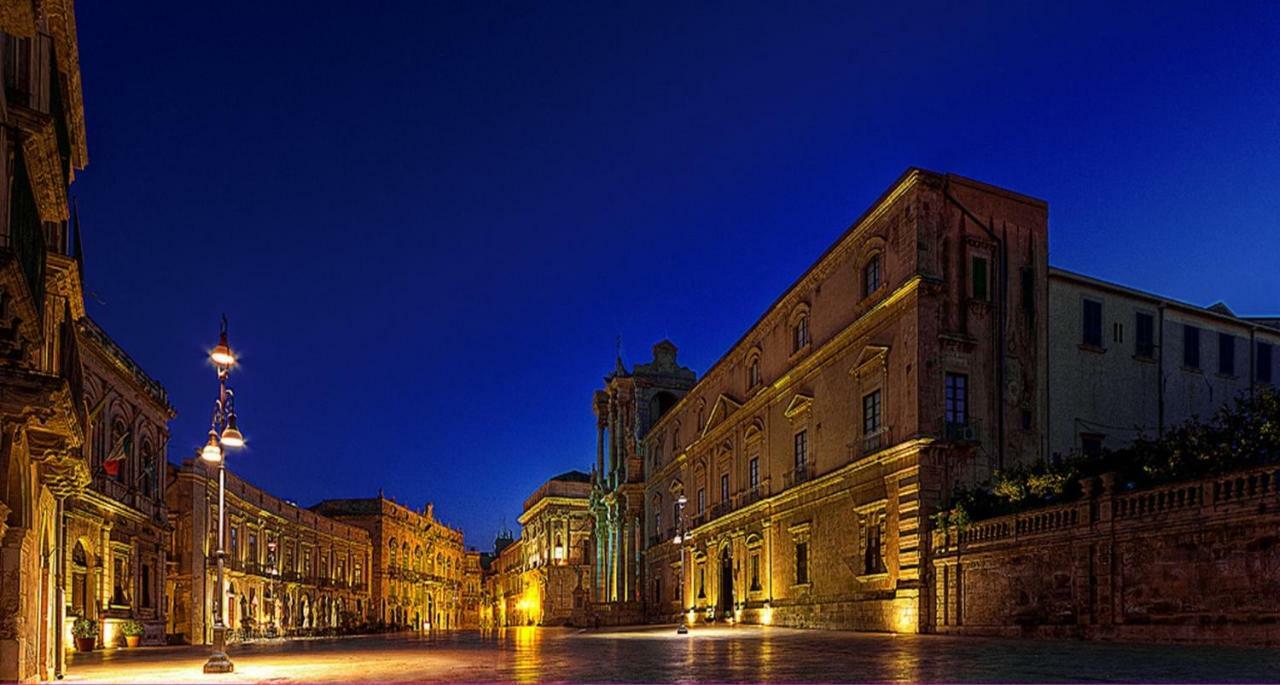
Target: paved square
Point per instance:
(708, 655)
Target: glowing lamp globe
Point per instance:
(212, 452)
(221, 354)
(231, 436)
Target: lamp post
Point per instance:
(681, 536)
(223, 433)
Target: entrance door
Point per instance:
(726, 584)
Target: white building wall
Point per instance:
(1113, 392)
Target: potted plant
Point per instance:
(85, 631)
(133, 632)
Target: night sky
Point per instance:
(429, 223)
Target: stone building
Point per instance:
(288, 570)
(472, 590)
(504, 600)
(909, 358)
(42, 466)
(1125, 363)
(625, 408)
(418, 562)
(557, 528)
(117, 529)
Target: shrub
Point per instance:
(84, 627)
(132, 628)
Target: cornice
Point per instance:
(819, 271)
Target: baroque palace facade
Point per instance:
(793, 482)
(545, 577)
(420, 568)
(288, 570)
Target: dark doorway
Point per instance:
(726, 584)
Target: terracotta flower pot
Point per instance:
(133, 640)
(85, 644)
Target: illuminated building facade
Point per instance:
(556, 545)
(909, 358)
(472, 590)
(289, 571)
(117, 529)
(43, 468)
(505, 603)
(625, 409)
(418, 563)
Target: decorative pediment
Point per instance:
(754, 431)
(676, 486)
(872, 358)
(723, 407)
(798, 405)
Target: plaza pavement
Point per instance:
(706, 654)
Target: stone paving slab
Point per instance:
(705, 655)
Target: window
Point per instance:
(1117, 332)
(753, 374)
(1145, 341)
(235, 543)
(1226, 354)
(800, 334)
(1092, 323)
(755, 571)
(871, 276)
(1264, 362)
(753, 472)
(871, 413)
(801, 451)
(253, 547)
(724, 487)
(802, 563)
(872, 556)
(702, 500)
(1191, 347)
(980, 278)
(675, 513)
(657, 523)
(146, 586)
(957, 399)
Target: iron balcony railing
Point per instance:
(962, 431)
(802, 474)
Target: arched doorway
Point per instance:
(726, 583)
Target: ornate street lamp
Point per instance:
(223, 434)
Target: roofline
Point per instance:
(1068, 275)
(908, 178)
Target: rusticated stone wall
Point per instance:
(1195, 561)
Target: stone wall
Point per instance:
(1194, 561)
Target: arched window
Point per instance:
(404, 559)
(394, 549)
(871, 276)
(800, 333)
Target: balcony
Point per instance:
(131, 497)
(803, 474)
(751, 495)
(877, 440)
(721, 508)
(963, 432)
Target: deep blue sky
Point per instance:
(428, 222)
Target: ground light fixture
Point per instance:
(223, 434)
